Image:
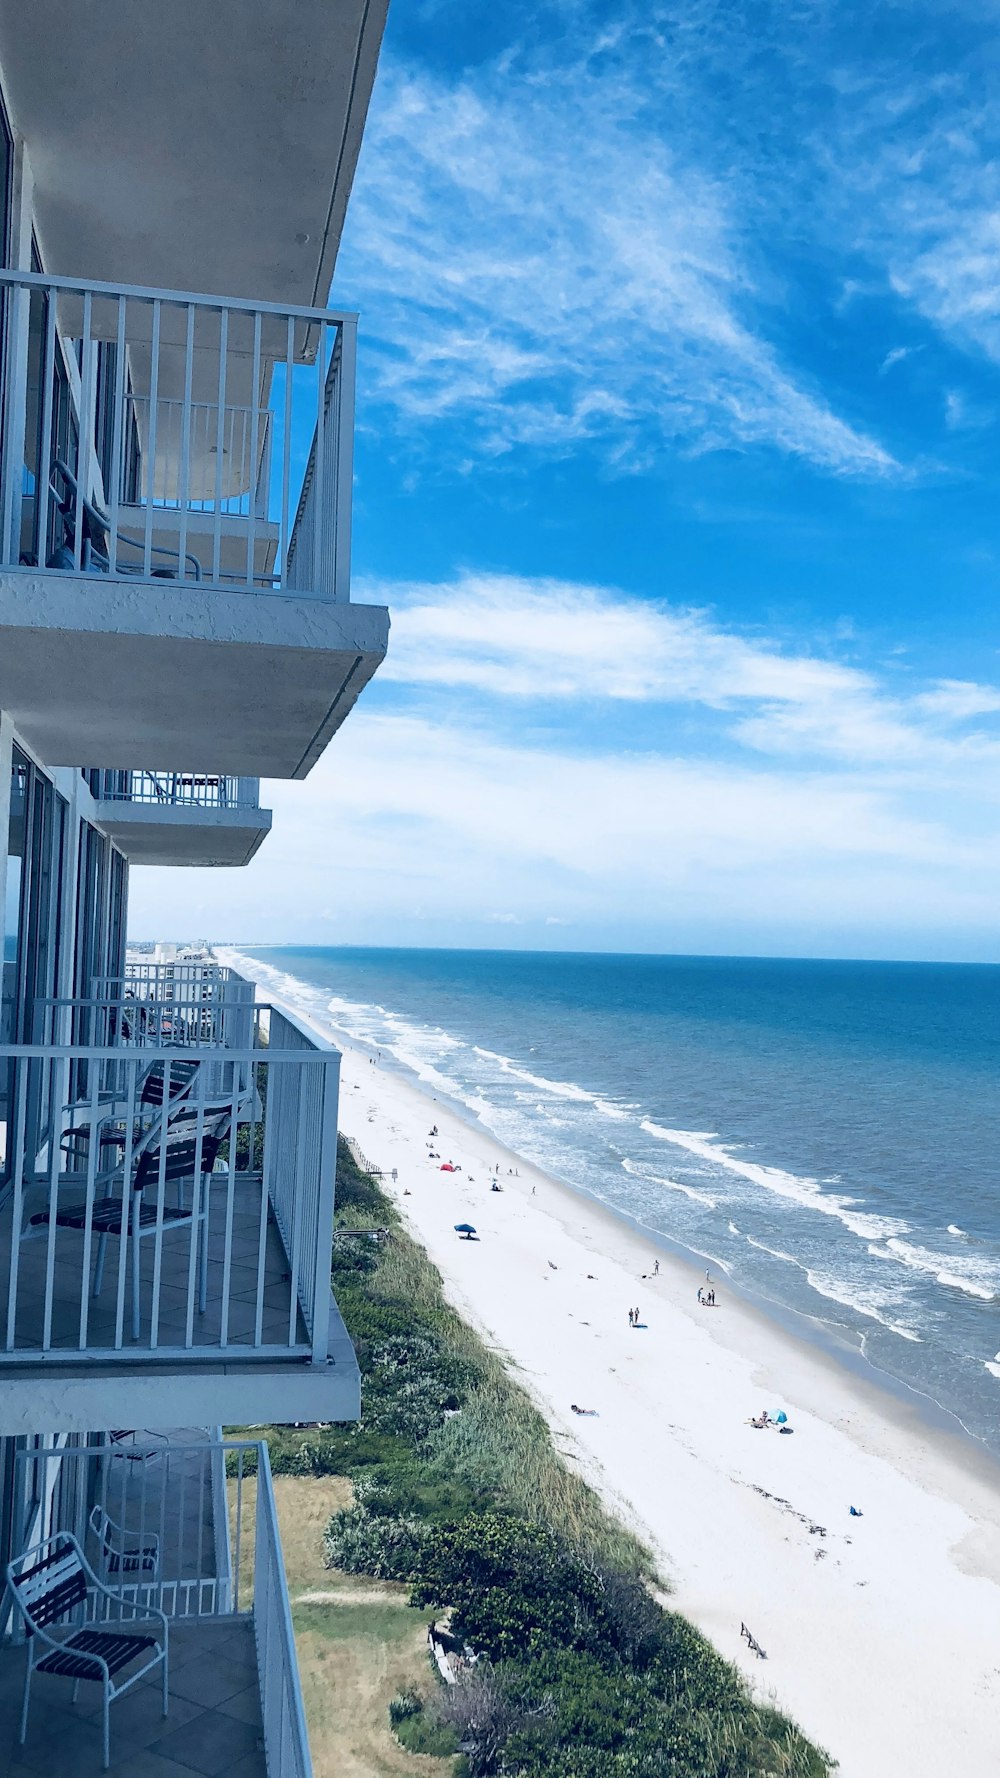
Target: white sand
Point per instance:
(883, 1636)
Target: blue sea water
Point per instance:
(827, 1133)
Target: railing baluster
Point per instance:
(118, 490)
(286, 450)
(254, 454)
(183, 494)
(220, 427)
(344, 491)
(85, 429)
(193, 1238)
(132, 1071)
(20, 1072)
(227, 1246)
(93, 1161)
(318, 490)
(43, 491)
(271, 1119)
(150, 467)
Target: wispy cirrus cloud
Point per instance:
(539, 259)
(551, 641)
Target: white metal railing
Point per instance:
(160, 434)
(177, 790)
(201, 1514)
(286, 1740)
(247, 438)
(226, 1019)
(166, 1202)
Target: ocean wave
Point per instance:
(797, 1188)
(560, 1089)
(639, 1171)
(836, 1290)
(991, 1365)
(941, 1267)
(775, 1252)
(953, 1229)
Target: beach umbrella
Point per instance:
(781, 1418)
(446, 1167)
(466, 1229)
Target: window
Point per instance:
(36, 839)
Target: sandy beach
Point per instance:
(882, 1632)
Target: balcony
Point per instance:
(181, 818)
(175, 522)
(166, 1216)
(206, 1508)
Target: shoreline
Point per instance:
(894, 1395)
(879, 1631)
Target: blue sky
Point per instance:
(677, 464)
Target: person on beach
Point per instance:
(631, 1318)
(699, 1292)
(656, 1268)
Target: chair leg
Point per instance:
(27, 1694)
(107, 1727)
(166, 1683)
(102, 1247)
(76, 1690)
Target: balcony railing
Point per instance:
(190, 978)
(176, 790)
(167, 1201)
(204, 1513)
(226, 1019)
(161, 435)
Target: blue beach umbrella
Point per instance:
(781, 1417)
(465, 1229)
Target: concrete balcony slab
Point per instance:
(123, 671)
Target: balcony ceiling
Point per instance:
(138, 674)
(191, 146)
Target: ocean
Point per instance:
(826, 1134)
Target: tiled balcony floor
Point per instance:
(174, 1276)
(212, 1727)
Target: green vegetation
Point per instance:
(458, 1491)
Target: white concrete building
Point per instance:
(176, 440)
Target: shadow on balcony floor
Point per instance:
(247, 1284)
(213, 1726)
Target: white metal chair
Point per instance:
(125, 1556)
(71, 1614)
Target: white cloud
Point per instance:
(897, 356)
(508, 637)
(958, 700)
(412, 813)
(532, 256)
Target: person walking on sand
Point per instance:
(656, 1268)
(631, 1318)
(699, 1293)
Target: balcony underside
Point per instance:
(125, 673)
(163, 138)
(153, 834)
